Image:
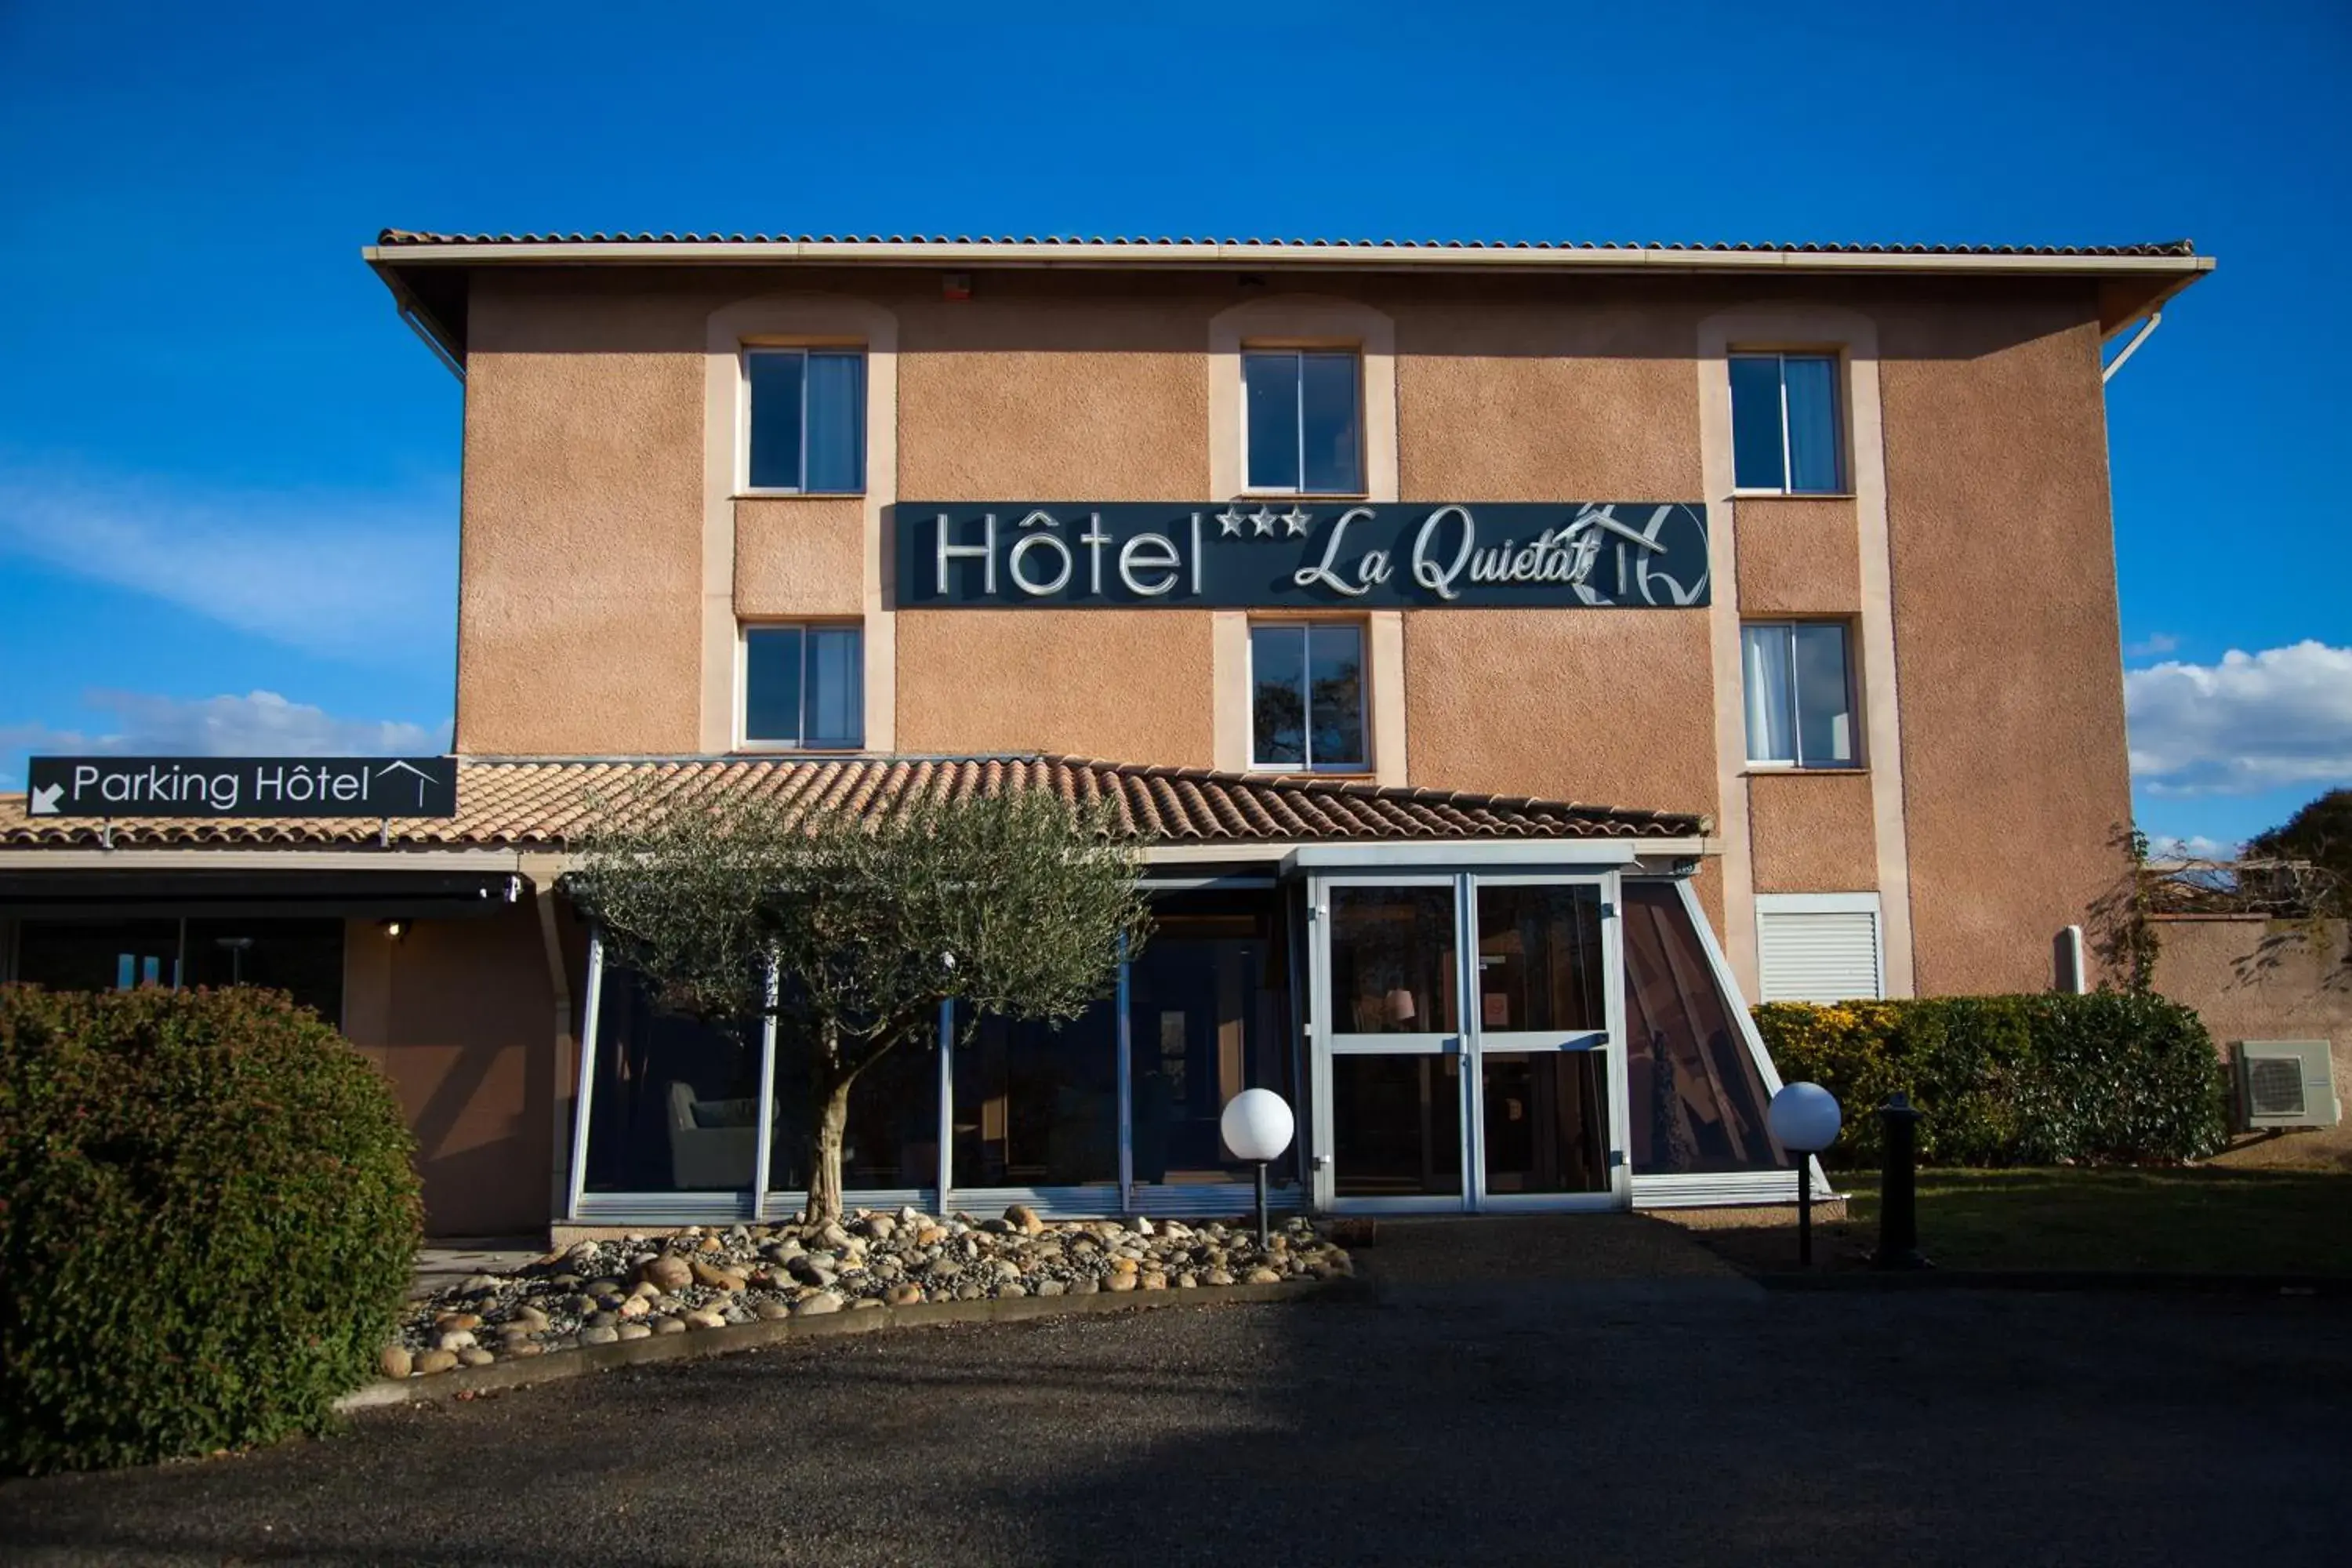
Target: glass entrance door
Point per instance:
(1391, 1101)
(1467, 1075)
(1549, 1130)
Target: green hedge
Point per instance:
(210, 1221)
(2012, 1081)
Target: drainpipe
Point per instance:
(2146, 330)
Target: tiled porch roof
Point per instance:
(546, 803)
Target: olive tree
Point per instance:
(1016, 904)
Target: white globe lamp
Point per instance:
(1257, 1126)
(1804, 1118)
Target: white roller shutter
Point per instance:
(1817, 947)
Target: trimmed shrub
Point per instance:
(209, 1225)
(2013, 1080)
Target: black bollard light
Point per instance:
(1899, 1186)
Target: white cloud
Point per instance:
(2253, 721)
(259, 725)
(2155, 645)
(2196, 846)
(358, 577)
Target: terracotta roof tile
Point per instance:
(413, 238)
(545, 803)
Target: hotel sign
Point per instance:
(1285, 554)
(241, 786)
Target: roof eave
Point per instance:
(1376, 257)
(2127, 298)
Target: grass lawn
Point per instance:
(2203, 1220)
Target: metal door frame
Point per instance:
(1610, 1040)
(1466, 1041)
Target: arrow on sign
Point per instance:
(45, 801)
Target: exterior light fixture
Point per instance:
(1258, 1125)
(1804, 1118)
(393, 928)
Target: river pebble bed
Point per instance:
(703, 1277)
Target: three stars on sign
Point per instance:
(1261, 521)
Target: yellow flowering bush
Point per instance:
(2012, 1081)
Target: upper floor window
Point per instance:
(1305, 422)
(804, 688)
(1784, 424)
(807, 420)
(1799, 686)
(1306, 697)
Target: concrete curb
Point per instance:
(695, 1345)
(2067, 1279)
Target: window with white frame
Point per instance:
(1798, 686)
(807, 420)
(1306, 697)
(1786, 437)
(804, 688)
(1303, 421)
(1818, 947)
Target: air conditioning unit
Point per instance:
(2287, 1083)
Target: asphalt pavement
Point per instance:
(1681, 1415)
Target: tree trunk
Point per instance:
(825, 1169)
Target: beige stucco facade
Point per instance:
(611, 556)
(615, 552)
(467, 1018)
(2254, 979)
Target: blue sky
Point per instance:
(229, 474)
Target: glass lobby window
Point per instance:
(1799, 691)
(674, 1106)
(99, 955)
(804, 688)
(1784, 424)
(1392, 961)
(1036, 1106)
(1539, 957)
(1303, 422)
(303, 958)
(1306, 697)
(1209, 1011)
(1396, 1125)
(892, 1138)
(808, 420)
(1695, 1096)
(1547, 1121)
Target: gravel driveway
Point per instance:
(1660, 1419)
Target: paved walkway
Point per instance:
(1676, 1416)
(1450, 1253)
(447, 1262)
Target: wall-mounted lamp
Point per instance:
(395, 928)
